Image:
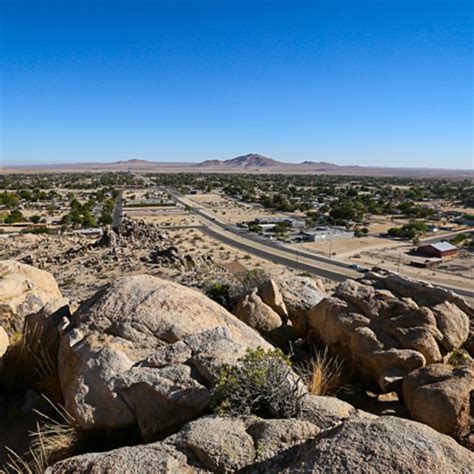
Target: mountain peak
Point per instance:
(132, 161)
(252, 160)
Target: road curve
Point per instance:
(304, 261)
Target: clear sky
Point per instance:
(369, 82)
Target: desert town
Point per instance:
(202, 217)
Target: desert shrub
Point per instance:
(325, 374)
(219, 292)
(459, 357)
(227, 292)
(262, 383)
(36, 230)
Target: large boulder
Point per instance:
(258, 315)
(144, 459)
(233, 443)
(325, 412)
(149, 312)
(373, 445)
(146, 351)
(209, 444)
(441, 396)
(254, 312)
(387, 335)
(23, 290)
(300, 294)
(368, 444)
(271, 296)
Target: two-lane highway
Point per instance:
(319, 265)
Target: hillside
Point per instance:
(250, 160)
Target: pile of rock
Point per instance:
(279, 309)
(388, 326)
(144, 354)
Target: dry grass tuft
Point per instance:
(29, 363)
(53, 440)
(325, 374)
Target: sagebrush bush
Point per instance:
(262, 383)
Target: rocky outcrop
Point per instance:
(386, 334)
(23, 290)
(442, 397)
(147, 351)
(145, 459)
(325, 412)
(209, 444)
(148, 312)
(248, 444)
(270, 294)
(374, 445)
(300, 294)
(260, 316)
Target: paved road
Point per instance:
(293, 258)
(304, 261)
(444, 237)
(297, 265)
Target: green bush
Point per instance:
(220, 293)
(262, 383)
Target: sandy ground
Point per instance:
(230, 210)
(347, 247)
(456, 272)
(162, 217)
(193, 240)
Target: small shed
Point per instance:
(439, 250)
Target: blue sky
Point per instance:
(369, 82)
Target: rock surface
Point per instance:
(255, 313)
(324, 412)
(149, 312)
(145, 459)
(23, 290)
(146, 351)
(300, 294)
(271, 296)
(442, 396)
(374, 445)
(209, 444)
(385, 333)
(258, 315)
(365, 444)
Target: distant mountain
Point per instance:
(133, 161)
(249, 163)
(251, 160)
(211, 163)
(320, 164)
